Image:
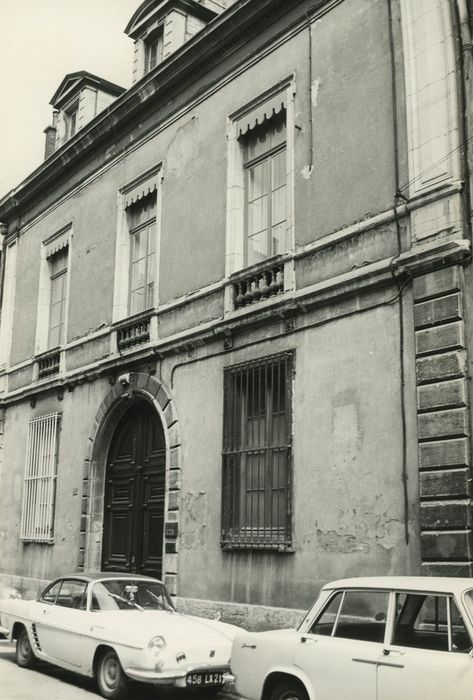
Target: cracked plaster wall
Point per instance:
(348, 496)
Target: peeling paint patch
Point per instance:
(314, 91)
(196, 511)
(334, 542)
(307, 171)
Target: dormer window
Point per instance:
(177, 20)
(153, 50)
(78, 99)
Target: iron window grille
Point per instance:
(257, 455)
(37, 522)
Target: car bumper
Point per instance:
(177, 677)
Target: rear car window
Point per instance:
(427, 621)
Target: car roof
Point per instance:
(106, 575)
(436, 584)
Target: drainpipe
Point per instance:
(3, 233)
(466, 59)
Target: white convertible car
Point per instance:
(367, 639)
(118, 627)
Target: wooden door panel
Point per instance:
(134, 495)
(117, 544)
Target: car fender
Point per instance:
(294, 672)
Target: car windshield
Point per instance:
(130, 594)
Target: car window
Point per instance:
(129, 594)
(72, 594)
(427, 621)
(354, 615)
(50, 594)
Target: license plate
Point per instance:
(199, 680)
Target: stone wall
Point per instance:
(443, 423)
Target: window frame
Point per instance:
(155, 39)
(147, 184)
(236, 264)
(248, 165)
(62, 275)
(238, 527)
(133, 231)
(71, 114)
(50, 246)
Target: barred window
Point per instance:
(257, 454)
(37, 524)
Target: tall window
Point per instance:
(142, 229)
(37, 522)
(257, 454)
(153, 51)
(265, 186)
(71, 115)
(57, 308)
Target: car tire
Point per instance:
(289, 690)
(24, 654)
(111, 678)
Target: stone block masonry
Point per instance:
(443, 423)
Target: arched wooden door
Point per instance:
(134, 494)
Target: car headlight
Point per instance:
(157, 645)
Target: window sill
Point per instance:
(282, 548)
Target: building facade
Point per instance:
(234, 337)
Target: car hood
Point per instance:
(170, 625)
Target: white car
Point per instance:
(118, 627)
(384, 638)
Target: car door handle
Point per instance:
(388, 652)
(46, 612)
(306, 640)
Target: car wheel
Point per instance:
(289, 690)
(24, 653)
(111, 679)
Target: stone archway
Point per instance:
(113, 407)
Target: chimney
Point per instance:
(50, 138)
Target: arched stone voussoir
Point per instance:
(129, 387)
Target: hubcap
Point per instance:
(110, 672)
